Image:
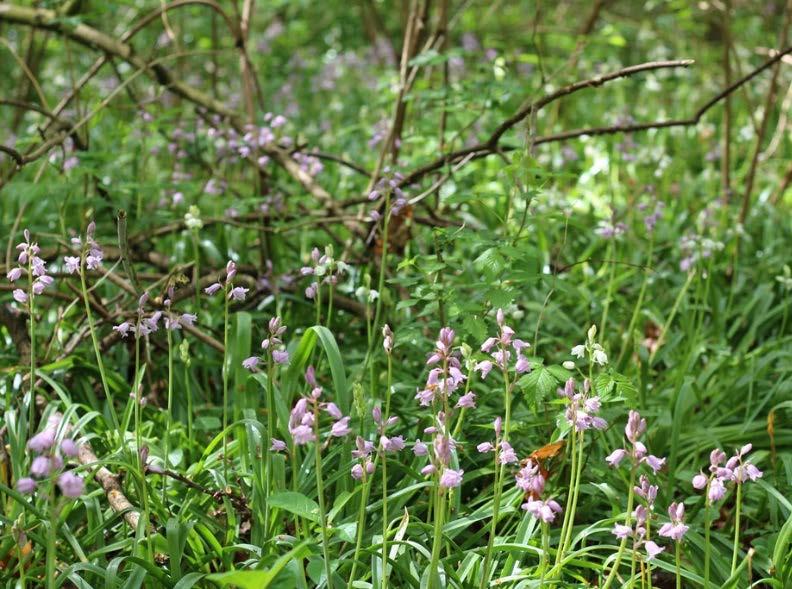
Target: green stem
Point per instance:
(97, 350)
(606, 308)
(168, 418)
(638, 304)
(271, 434)
(225, 385)
(615, 568)
(189, 391)
(32, 401)
(320, 490)
(572, 475)
(499, 477)
(329, 306)
(439, 512)
(707, 545)
(678, 572)
(737, 528)
(51, 537)
(575, 494)
(385, 481)
(367, 361)
(361, 524)
(670, 319)
(545, 552)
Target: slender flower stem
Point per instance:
(570, 494)
(707, 546)
(499, 473)
(678, 572)
(139, 439)
(329, 306)
(575, 494)
(31, 309)
(168, 417)
(225, 386)
(271, 434)
(385, 481)
(384, 520)
(439, 512)
(97, 350)
(439, 507)
(189, 391)
(545, 552)
(51, 537)
(609, 295)
(615, 568)
(361, 524)
(737, 528)
(367, 361)
(320, 490)
(638, 304)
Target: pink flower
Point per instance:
(530, 479)
(467, 401)
(238, 293)
(302, 434)
(341, 428)
(700, 481)
(654, 462)
(26, 485)
(394, 444)
(68, 448)
(543, 510)
(673, 531)
(451, 478)
(13, 275)
(280, 356)
(484, 368)
(717, 490)
(250, 363)
(621, 531)
(652, 550)
(522, 364)
(278, 445)
(420, 449)
(20, 296)
(357, 471)
(188, 319)
(635, 427)
(71, 485)
(71, 264)
(40, 467)
(485, 447)
(333, 410)
(615, 457)
(213, 288)
(231, 271)
(507, 454)
(42, 441)
(427, 470)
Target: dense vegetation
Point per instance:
(395, 294)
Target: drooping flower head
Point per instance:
(675, 529)
(31, 264)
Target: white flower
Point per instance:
(600, 357)
(192, 218)
(569, 365)
(579, 351)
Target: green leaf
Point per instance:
(295, 503)
(539, 383)
(260, 579)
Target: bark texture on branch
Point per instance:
(115, 495)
